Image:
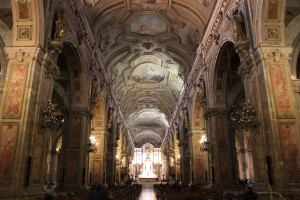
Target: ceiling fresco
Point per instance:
(148, 48)
(148, 25)
(148, 73)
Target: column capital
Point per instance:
(197, 132)
(77, 112)
(210, 112)
(21, 54)
(273, 54)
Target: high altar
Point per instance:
(148, 164)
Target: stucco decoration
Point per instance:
(148, 25)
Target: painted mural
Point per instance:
(14, 98)
(148, 25)
(7, 152)
(75, 133)
(148, 73)
(24, 10)
(273, 9)
(73, 158)
(199, 170)
(281, 92)
(96, 171)
(221, 131)
(225, 173)
(291, 152)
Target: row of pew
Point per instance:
(129, 192)
(125, 192)
(173, 193)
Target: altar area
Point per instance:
(148, 165)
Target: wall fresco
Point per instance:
(96, 171)
(281, 92)
(221, 131)
(72, 169)
(225, 169)
(7, 152)
(291, 152)
(199, 170)
(37, 160)
(75, 134)
(273, 9)
(24, 10)
(15, 91)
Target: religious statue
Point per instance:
(59, 29)
(238, 21)
(94, 89)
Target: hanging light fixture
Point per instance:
(243, 117)
(203, 143)
(54, 118)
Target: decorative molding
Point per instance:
(211, 112)
(52, 71)
(272, 33)
(24, 32)
(274, 54)
(245, 70)
(81, 112)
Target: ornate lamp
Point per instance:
(243, 117)
(204, 143)
(53, 117)
(92, 145)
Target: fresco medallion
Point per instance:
(148, 73)
(148, 25)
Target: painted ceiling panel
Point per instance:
(148, 47)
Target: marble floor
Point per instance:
(147, 194)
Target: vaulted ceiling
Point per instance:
(148, 47)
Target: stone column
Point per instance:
(200, 159)
(76, 166)
(280, 119)
(111, 145)
(22, 142)
(119, 156)
(96, 158)
(53, 169)
(185, 162)
(223, 170)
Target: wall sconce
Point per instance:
(54, 118)
(204, 143)
(92, 144)
(117, 160)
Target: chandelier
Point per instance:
(92, 145)
(243, 117)
(54, 118)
